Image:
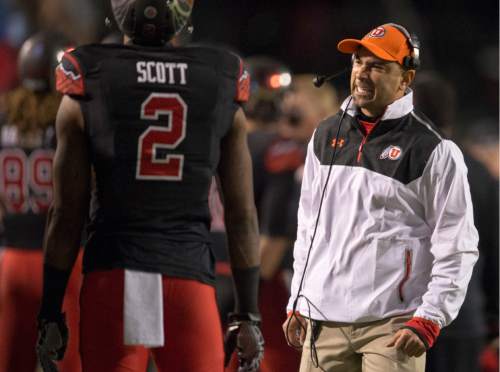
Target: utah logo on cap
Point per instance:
(377, 32)
(391, 153)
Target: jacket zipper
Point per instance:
(360, 149)
(365, 137)
(408, 261)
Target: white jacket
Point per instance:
(395, 233)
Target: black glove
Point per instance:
(243, 333)
(52, 341)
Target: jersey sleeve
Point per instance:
(237, 77)
(242, 84)
(69, 75)
(234, 87)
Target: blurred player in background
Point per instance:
(481, 140)
(269, 80)
(27, 142)
(282, 114)
(274, 161)
(155, 123)
(304, 106)
(274, 158)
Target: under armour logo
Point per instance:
(340, 142)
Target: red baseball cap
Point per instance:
(386, 42)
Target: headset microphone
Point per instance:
(319, 80)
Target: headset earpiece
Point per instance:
(413, 60)
(415, 44)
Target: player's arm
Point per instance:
(66, 216)
(71, 189)
(235, 175)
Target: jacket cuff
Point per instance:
(425, 329)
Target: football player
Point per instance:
(27, 142)
(154, 122)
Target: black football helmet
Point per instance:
(38, 57)
(270, 79)
(151, 22)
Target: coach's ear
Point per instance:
(407, 78)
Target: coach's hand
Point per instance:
(408, 342)
(52, 338)
(243, 333)
(295, 328)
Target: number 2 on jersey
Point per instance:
(150, 166)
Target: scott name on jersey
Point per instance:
(161, 72)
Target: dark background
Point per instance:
(459, 39)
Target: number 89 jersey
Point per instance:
(25, 184)
(154, 118)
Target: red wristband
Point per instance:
(425, 329)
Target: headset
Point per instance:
(412, 61)
(319, 80)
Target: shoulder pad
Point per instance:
(69, 76)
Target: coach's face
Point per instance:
(376, 83)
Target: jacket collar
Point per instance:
(395, 110)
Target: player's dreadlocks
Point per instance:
(31, 111)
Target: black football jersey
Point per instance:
(25, 184)
(154, 118)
